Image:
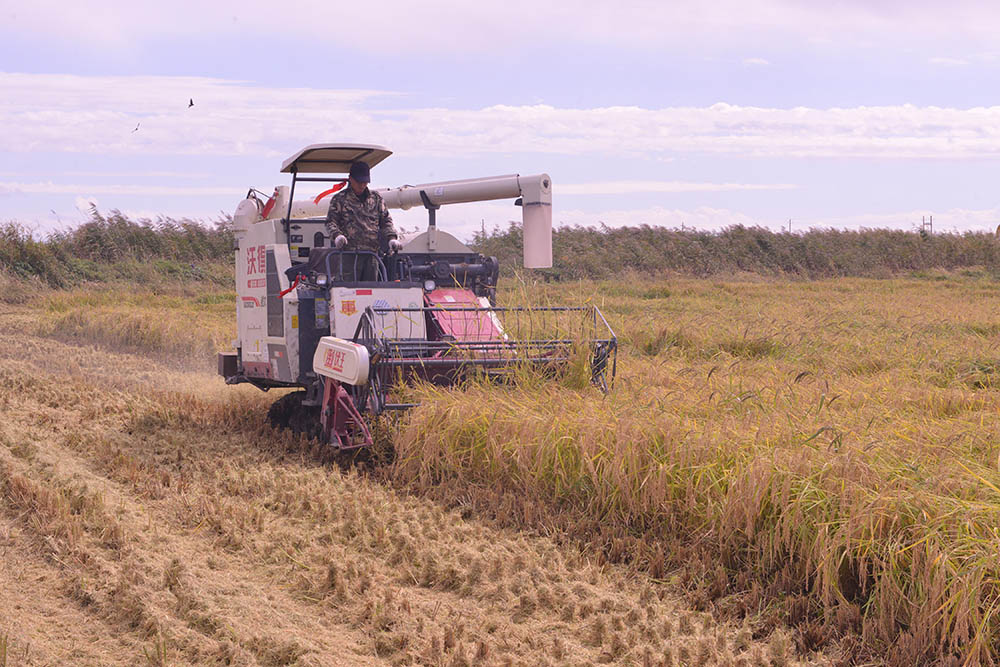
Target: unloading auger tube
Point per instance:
(347, 326)
(533, 194)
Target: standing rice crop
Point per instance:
(833, 459)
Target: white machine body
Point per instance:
(260, 314)
(341, 360)
(348, 303)
(267, 247)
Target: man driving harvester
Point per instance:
(358, 220)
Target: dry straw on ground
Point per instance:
(149, 516)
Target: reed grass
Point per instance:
(112, 247)
(115, 248)
(602, 252)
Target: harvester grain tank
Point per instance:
(306, 319)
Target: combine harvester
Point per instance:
(304, 319)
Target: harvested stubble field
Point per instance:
(784, 472)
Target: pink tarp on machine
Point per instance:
(464, 325)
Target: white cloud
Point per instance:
(89, 173)
(702, 217)
(465, 219)
(96, 115)
(951, 220)
(403, 27)
(756, 61)
(99, 114)
(953, 62)
(84, 204)
(708, 218)
(49, 188)
(631, 187)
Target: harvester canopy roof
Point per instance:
(333, 158)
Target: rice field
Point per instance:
(818, 454)
(149, 515)
(815, 464)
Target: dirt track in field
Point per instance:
(148, 516)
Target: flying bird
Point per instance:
(191, 103)
(136, 128)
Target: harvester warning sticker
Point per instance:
(348, 307)
(381, 305)
(334, 360)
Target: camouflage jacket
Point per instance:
(360, 219)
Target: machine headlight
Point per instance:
(321, 280)
(429, 285)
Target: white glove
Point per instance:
(395, 245)
(340, 242)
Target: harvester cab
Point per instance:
(347, 325)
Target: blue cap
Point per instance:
(361, 172)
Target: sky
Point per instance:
(843, 114)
